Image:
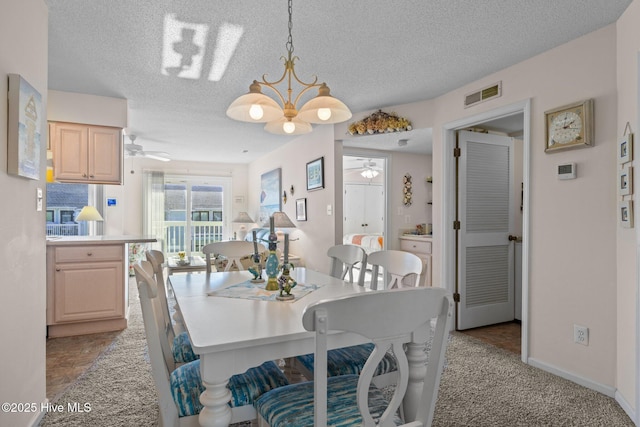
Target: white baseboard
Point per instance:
(35, 421)
(585, 382)
(626, 407)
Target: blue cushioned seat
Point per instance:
(181, 349)
(186, 386)
(293, 405)
(350, 360)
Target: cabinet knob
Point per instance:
(89, 253)
(84, 175)
(91, 176)
(57, 268)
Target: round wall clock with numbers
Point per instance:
(570, 126)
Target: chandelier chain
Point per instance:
(290, 39)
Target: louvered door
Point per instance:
(486, 221)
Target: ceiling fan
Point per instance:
(368, 169)
(135, 150)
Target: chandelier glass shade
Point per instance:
(369, 173)
(285, 118)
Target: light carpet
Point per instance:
(481, 386)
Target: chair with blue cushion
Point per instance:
(351, 400)
(349, 360)
(177, 346)
(179, 390)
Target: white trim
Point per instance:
(39, 415)
(637, 346)
(585, 382)
(626, 407)
(447, 270)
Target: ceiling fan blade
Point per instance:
(156, 155)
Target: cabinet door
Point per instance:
(70, 152)
(105, 155)
(88, 291)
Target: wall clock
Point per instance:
(570, 126)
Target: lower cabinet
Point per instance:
(420, 246)
(86, 289)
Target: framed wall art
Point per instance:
(315, 174)
(301, 209)
(625, 180)
(24, 128)
(625, 149)
(270, 191)
(625, 213)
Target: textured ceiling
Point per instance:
(372, 54)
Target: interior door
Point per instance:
(485, 252)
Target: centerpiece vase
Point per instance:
(271, 266)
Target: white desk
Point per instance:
(232, 335)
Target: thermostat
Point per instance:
(567, 171)
(111, 202)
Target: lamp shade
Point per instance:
(254, 107)
(278, 126)
(89, 213)
(281, 220)
(324, 109)
(243, 218)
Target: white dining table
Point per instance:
(234, 334)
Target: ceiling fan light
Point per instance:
(324, 108)
(278, 126)
(254, 107)
(369, 173)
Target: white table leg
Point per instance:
(216, 411)
(417, 358)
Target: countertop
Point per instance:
(416, 236)
(98, 240)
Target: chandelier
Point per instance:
(285, 118)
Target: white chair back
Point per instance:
(233, 250)
(153, 325)
(396, 265)
(343, 260)
(156, 258)
(412, 310)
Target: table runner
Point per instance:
(256, 291)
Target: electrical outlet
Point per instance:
(581, 334)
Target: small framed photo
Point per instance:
(625, 149)
(625, 213)
(301, 209)
(625, 180)
(315, 174)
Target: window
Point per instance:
(64, 203)
(49, 215)
(201, 216)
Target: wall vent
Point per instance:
(484, 94)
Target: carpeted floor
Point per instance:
(481, 386)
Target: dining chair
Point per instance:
(354, 399)
(349, 360)
(398, 267)
(343, 260)
(232, 250)
(179, 390)
(179, 345)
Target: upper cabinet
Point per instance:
(86, 153)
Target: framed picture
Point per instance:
(270, 191)
(625, 180)
(301, 209)
(625, 213)
(24, 128)
(315, 174)
(625, 148)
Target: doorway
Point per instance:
(450, 249)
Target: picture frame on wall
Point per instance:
(24, 133)
(301, 209)
(315, 174)
(270, 191)
(625, 180)
(625, 213)
(625, 149)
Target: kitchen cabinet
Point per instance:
(86, 153)
(88, 284)
(420, 246)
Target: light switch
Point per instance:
(329, 210)
(38, 199)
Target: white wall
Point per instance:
(573, 223)
(87, 109)
(23, 50)
(628, 47)
(316, 234)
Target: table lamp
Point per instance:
(243, 218)
(277, 220)
(89, 213)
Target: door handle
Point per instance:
(515, 238)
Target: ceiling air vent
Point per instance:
(484, 94)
